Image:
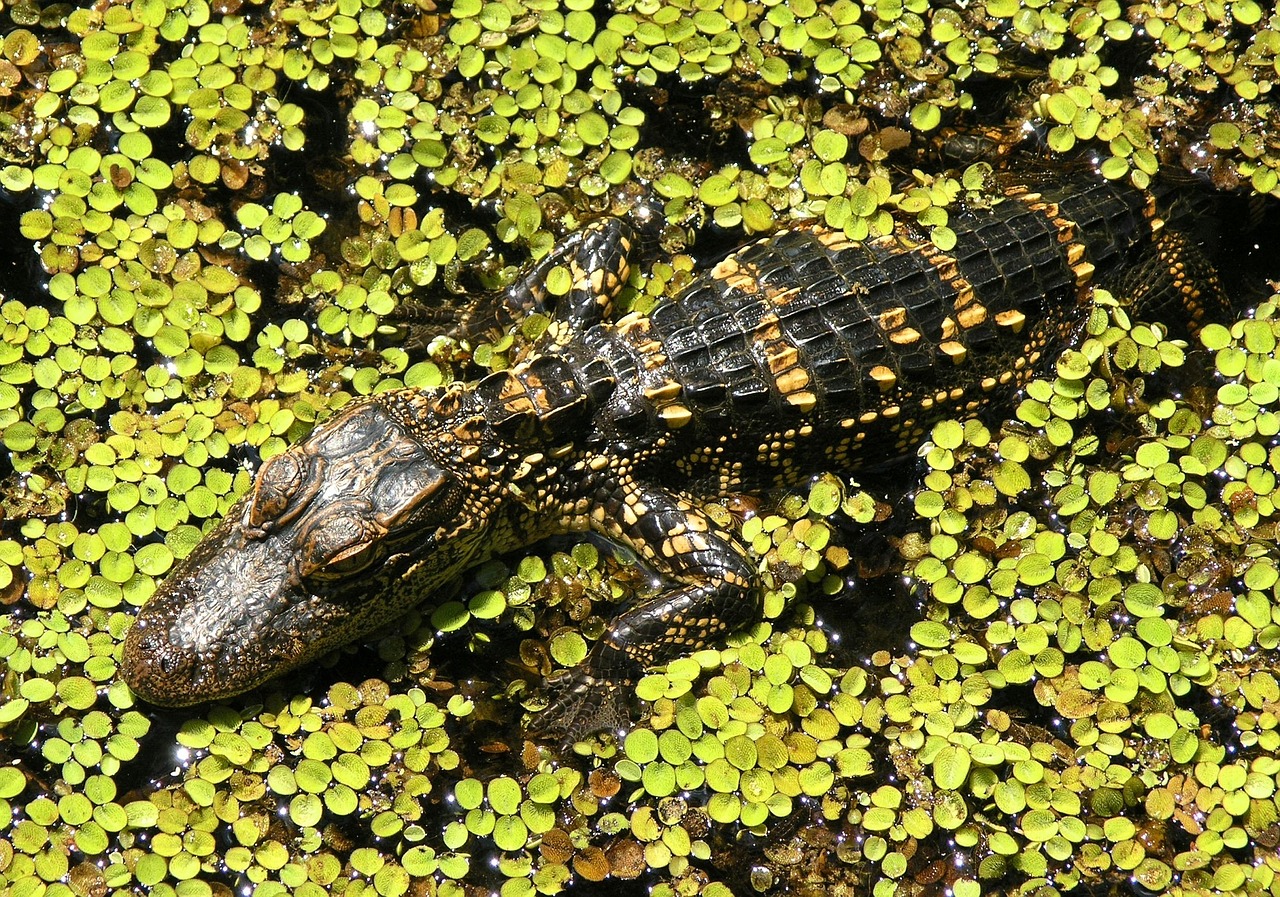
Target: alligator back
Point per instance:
(799, 351)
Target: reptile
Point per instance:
(801, 353)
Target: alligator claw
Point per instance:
(582, 705)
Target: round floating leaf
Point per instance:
(504, 795)
(78, 692)
(641, 746)
(931, 635)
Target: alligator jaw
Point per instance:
(216, 627)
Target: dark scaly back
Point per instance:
(807, 347)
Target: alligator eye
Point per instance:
(350, 560)
(342, 549)
(342, 543)
(286, 483)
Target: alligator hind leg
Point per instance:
(710, 592)
(1176, 284)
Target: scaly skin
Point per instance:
(801, 353)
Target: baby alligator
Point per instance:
(801, 353)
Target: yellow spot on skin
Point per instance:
(632, 321)
(834, 240)
(675, 416)
(520, 405)
(792, 380)
(767, 330)
(1066, 227)
(663, 393)
(964, 293)
(651, 355)
(892, 319)
(738, 277)
(947, 269)
(747, 283)
(783, 299)
(804, 401)
(560, 332)
(726, 268)
(972, 316)
(781, 361)
(905, 337)
(1075, 252)
(1011, 318)
(1048, 209)
(676, 547)
(596, 279)
(949, 328)
(1084, 273)
(955, 351)
(522, 471)
(884, 376)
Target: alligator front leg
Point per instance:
(709, 591)
(597, 260)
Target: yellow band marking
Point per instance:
(1011, 318)
(803, 401)
(892, 319)
(675, 416)
(884, 376)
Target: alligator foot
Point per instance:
(582, 705)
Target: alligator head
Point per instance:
(340, 534)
